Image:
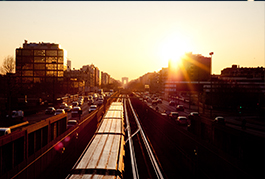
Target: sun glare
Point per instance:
(172, 48)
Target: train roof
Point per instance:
(116, 104)
(111, 126)
(113, 115)
(104, 153)
(95, 176)
(116, 108)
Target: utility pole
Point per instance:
(211, 95)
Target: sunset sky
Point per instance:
(131, 38)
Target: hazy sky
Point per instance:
(131, 38)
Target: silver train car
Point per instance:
(104, 155)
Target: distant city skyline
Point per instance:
(132, 38)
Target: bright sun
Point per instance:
(172, 48)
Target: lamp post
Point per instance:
(211, 95)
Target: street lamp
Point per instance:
(211, 96)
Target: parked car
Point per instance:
(182, 120)
(219, 120)
(59, 111)
(173, 115)
(50, 110)
(180, 108)
(72, 123)
(159, 101)
(172, 103)
(92, 108)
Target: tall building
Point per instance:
(192, 67)
(105, 78)
(39, 63)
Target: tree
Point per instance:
(8, 65)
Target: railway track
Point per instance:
(144, 162)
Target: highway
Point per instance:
(183, 155)
(157, 147)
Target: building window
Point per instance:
(51, 53)
(60, 66)
(51, 73)
(27, 53)
(51, 59)
(39, 66)
(60, 53)
(39, 59)
(51, 66)
(27, 59)
(37, 80)
(39, 52)
(27, 66)
(60, 59)
(60, 73)
(27, 73)
(39, 73)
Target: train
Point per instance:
(104, 155)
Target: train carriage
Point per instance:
(104, 157)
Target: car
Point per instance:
(16, 114)
(182, 120)
(63, 105)
(50, 110)
(159, 101)
(173, 115)
(80, 102)
(76, 112)
(219, 120)
(154, 102)
(95, 96)
(90, 101)
(68, 108)
(71, 123)
(100, 101)
(92, 108)
(59, 111)
(193, 115)
(4, 131)
(180, 108)
(75, 103)
(172, 103)
(100, 97)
